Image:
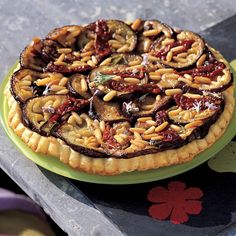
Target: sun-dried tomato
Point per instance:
(161, 117)
(169, 135)
(209, 70)
(102, 36)
(163, 52)
(108, 137)
(198, 103)
(72, 104)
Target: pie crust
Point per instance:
(112, 165)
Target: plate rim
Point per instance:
(123, 179)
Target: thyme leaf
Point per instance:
(140, 99)
(102, 78)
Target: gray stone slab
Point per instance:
(22, 20)
(65, 204)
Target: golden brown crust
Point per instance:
(113, 166)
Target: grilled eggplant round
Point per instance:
(66, 36)
(31, 56)
(123, 34)
(179, 52)
(41, 113)
(77, 86)
(149, 31)
(26, 83)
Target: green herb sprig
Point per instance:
(102, 78)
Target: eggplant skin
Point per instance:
(128, 155)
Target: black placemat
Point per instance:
(199, 202)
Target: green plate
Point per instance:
(54, 165)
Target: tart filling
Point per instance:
(113, 90)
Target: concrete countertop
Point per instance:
(22, 20)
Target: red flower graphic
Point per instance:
(177, 202)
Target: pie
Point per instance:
(112, 97)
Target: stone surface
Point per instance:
(66, 205)
(22, 20)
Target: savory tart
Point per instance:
(111, 97)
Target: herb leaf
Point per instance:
(140, 99)
(102, 78)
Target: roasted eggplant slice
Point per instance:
(146, 105)
(123, 37)
(194, 107)
(151, 30)
(31, 56)
(64, 53)
(82, 134)
(181, 52)
(77, 86)
(50, 50)
(21, 84)
(108, 36)
(39, 111)
(63, 60)
(156, 28)
(49, 55)
(107, 111)
(67, 36)
(121, 80)
(26, 83)
(190, 129)
(157, 134)
(211, 74)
